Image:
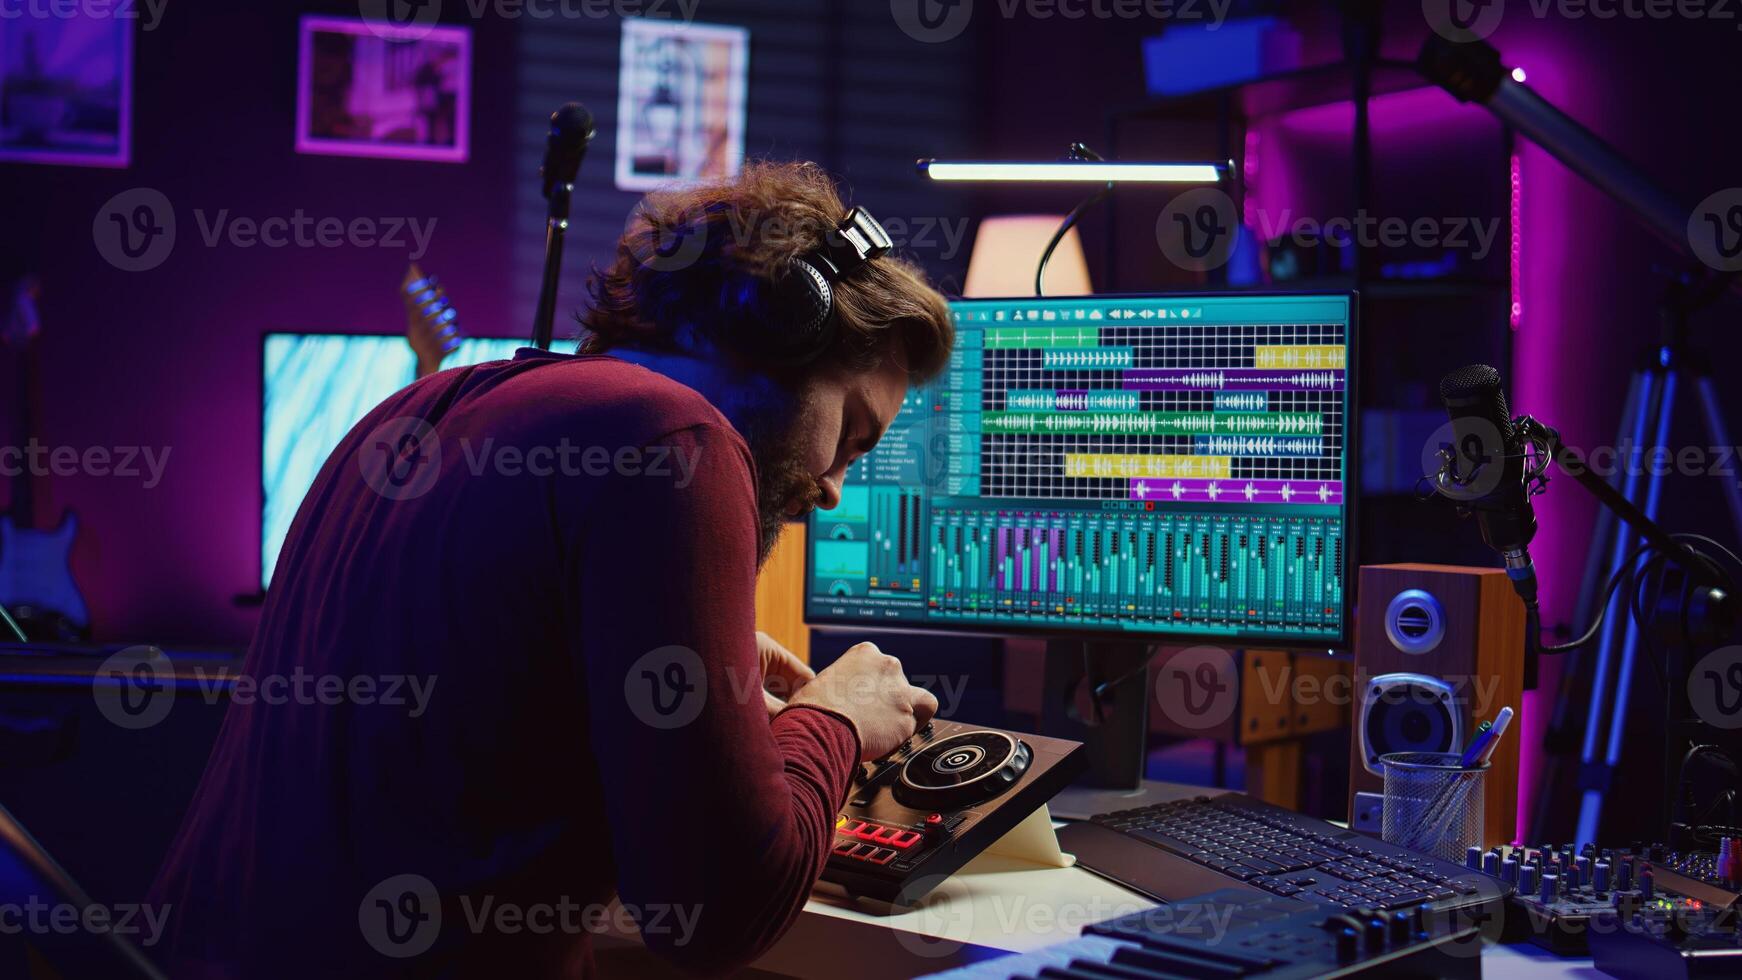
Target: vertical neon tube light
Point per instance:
(1249, 178)
(1517, 213)
(1530, 765)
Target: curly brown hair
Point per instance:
(703, 258)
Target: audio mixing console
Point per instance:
(1564, 898)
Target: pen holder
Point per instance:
(1432, 804)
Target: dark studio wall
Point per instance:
(170, 358)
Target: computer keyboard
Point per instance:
(1233, 838)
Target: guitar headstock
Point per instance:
(432, 324)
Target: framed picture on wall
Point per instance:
(66, 90)
(370, 89)
(680, 102)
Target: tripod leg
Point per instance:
(1661, 401)
(1568, 711)
(1720, 435)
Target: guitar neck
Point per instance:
(21, 504)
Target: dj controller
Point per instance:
(919, 813)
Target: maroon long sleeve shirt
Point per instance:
(560, 554)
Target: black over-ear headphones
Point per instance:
(799, 321)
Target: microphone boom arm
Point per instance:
(1472, 72)
(1666, 544)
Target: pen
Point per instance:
(1501, 720)
(1478, 745)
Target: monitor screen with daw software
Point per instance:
(1150, 465)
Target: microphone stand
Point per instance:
(1706, 608)
(556, 223)
(571, 129)
(1472, 72)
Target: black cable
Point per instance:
(1602, 608)
(1095, 708)
(1642, 619)
(1718, 545)
(1064, 226)
(1727, 796)
(1622, 571)
(1682, 800)
(1102, 687)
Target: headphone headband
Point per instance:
(858, 239)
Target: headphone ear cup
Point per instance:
(800, 317)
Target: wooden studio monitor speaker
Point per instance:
(1438, 650)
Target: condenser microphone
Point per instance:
(571, 130)
(1484, 470)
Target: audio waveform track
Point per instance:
(1154, 423)
(1071, 413)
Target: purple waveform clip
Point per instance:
(1231, 379)
(1235, 491)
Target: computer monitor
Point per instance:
(1150, 467)
(316, 387)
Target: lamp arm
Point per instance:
(1059, 236)
(1077, 151)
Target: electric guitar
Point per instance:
(36, 579)
(432, 325)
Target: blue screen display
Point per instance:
(316, 387)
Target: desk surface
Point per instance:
(997, 905)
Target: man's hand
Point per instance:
(782, 672)
(868, 687)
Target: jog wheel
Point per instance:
(962, 770)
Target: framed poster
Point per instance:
(369, 89)
(680, 102)
(66, 90)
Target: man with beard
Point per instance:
(511, 632)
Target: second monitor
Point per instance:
(1162, 465)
